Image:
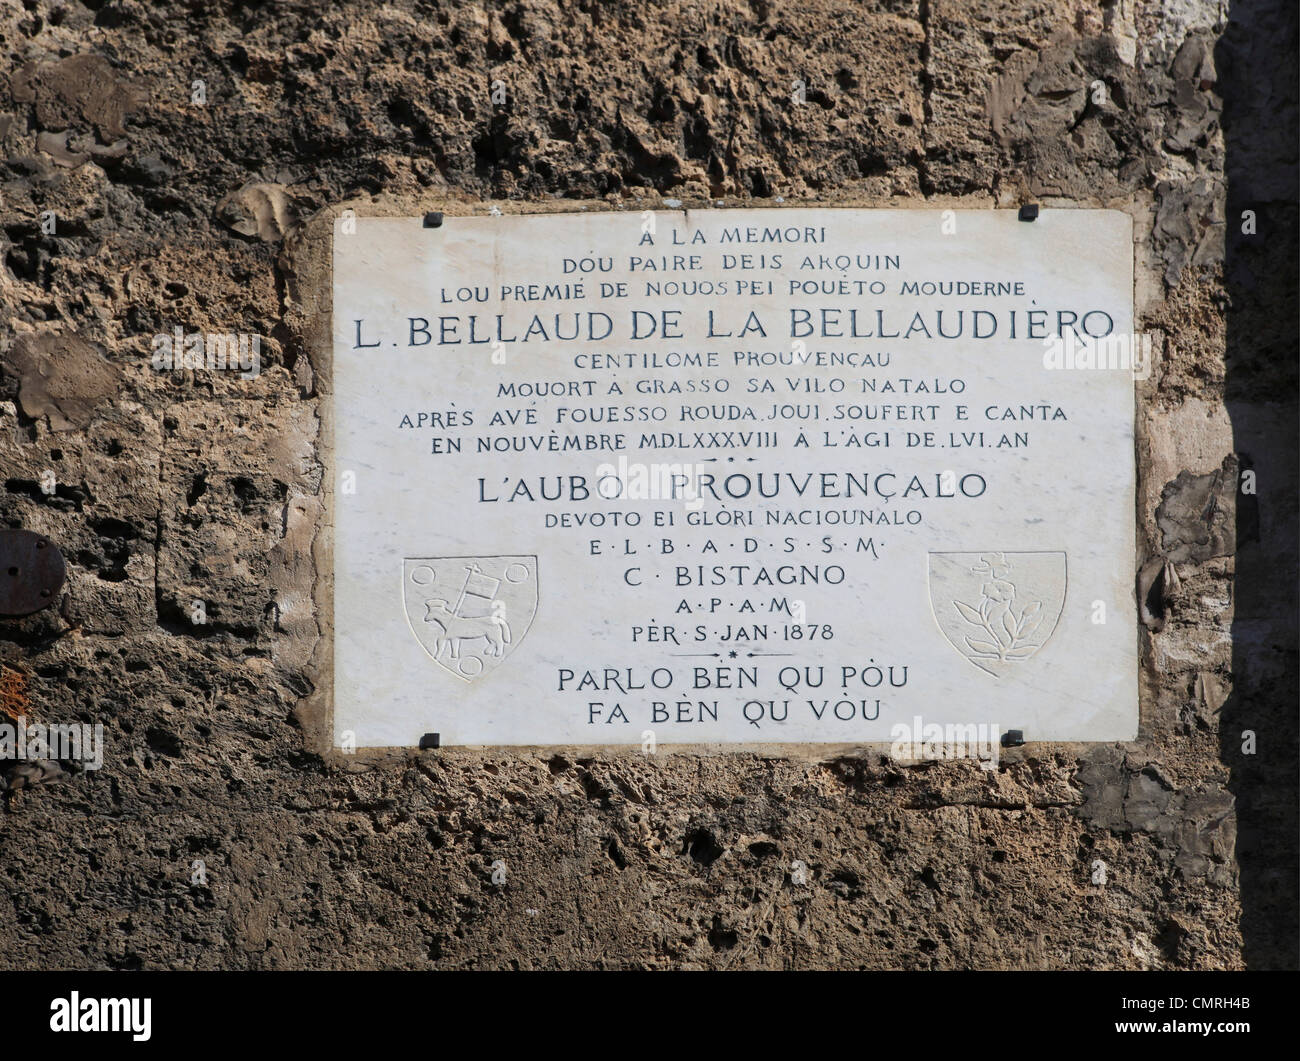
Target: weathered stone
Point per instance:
(1196, 515)
(261, 210)
(81, 88)
(62, 377)
(631, 862)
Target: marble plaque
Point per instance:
(767, 476)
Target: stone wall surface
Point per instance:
(174, 211)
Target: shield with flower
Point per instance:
(997, 609)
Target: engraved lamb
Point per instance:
(493, 628)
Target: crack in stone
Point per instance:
(927, 110)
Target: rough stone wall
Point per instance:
(172, 487)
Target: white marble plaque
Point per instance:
(734, 476)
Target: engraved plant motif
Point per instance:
(1001, 631)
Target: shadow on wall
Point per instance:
(1255, 61)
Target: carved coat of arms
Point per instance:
(997, 609)
(470, 612)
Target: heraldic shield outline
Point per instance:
(998, 609)
(469, 612)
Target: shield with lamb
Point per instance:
(470, 612)
(998, 609)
